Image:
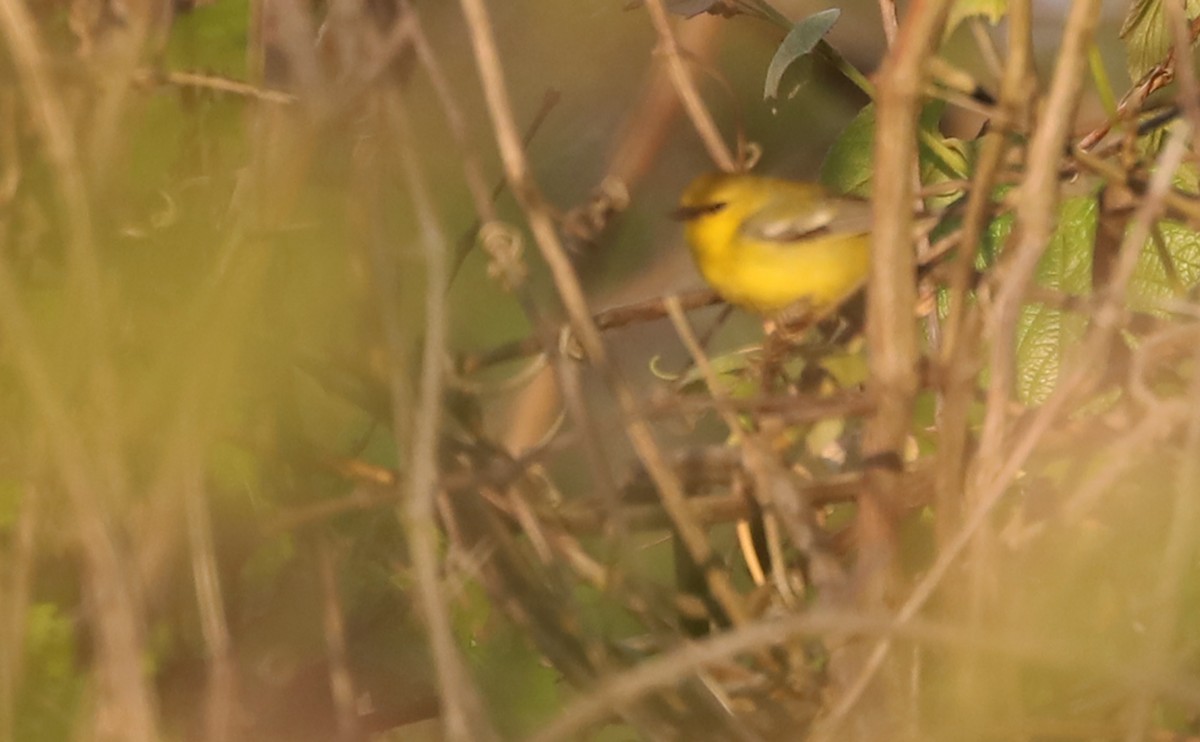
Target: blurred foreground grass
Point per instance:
(220, 225)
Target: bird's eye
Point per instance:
(687, 213)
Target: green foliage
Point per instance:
(992, 11)
(1152, 280)
(1046, 335)
(212, 38)
(522, 691)
(1147, 34)
(849, 165)
(799, 42)
(52, 687)
(247, 254)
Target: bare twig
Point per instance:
(1036, 213)
(1182, 206)
(623, 316)
(571, 293)
(686, 89)
(1188, 96)
(205, 575)
(50, 114)
(651, 121)
(961, 329)
(891, 333)
(1178, 554)
(201, 81)
(887, 14)
(667, 669)
(341, 682)
(455, 118)
(462, 709)
(127, 699)
(127, 705)
(1041, 179)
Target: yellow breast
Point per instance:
(767, 244)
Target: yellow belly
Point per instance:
(768, 277)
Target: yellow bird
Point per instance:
(776, 247)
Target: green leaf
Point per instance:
(850, 163)
(1147, 35)
(211, 38)
(52, 686)
(728, 367)
(689, 8)
(799, 42)
(1045, 335)
(990, 10)
(1151, 279)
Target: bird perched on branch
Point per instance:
(776, 247)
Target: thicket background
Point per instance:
(309, 434)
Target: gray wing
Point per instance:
(780, 221)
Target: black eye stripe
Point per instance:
(687, 213)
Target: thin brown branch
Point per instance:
(962, 327)
(669, 668)
(1188, 97)
(125, 697)
(617, 317)
(702, 470)
(215, 83)
(891, 292)
(891, 341)
(462, 708)
(651, 121)
(219, 715)
(1042, 177)
(504, 245)
(286, 27)
(1131, 104)
(456, 120)
(1036, 210)
(571, 294)
(887, 14)
(717, 393)
(1181, 206)
(962, 348)
(341, 681)
(777, 496)
(685, 88)
(50, 115)
(1178, 555)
